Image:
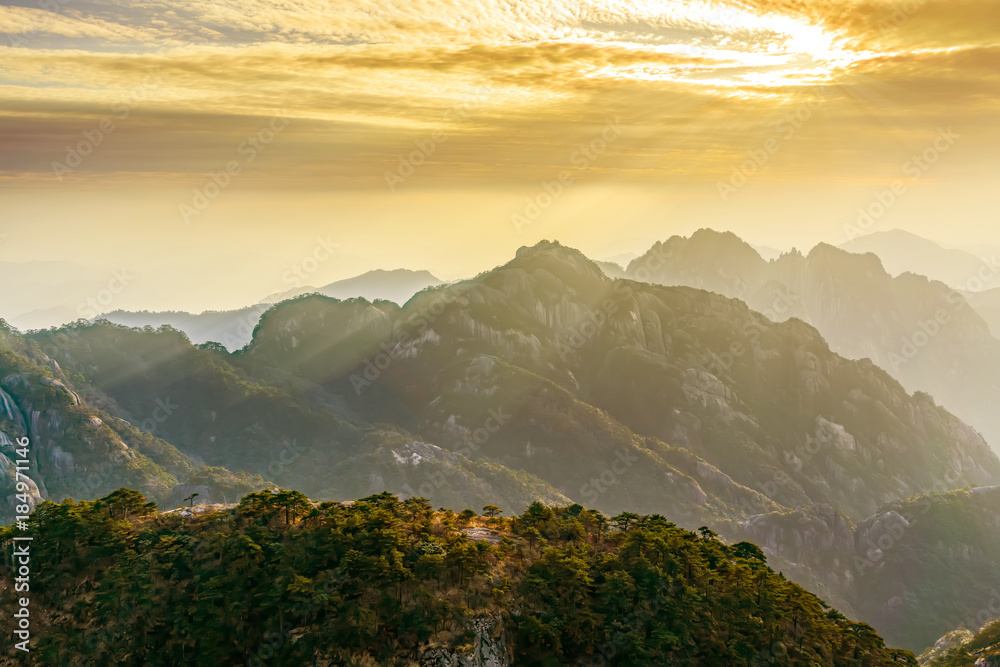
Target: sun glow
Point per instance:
(725, 46)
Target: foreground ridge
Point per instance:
(280, 579)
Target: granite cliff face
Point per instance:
(915, 569)
(814, 544)
(72, 449)
(922, 332)
(963, 648)
(489, 649)
(80, 446)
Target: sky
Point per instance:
(209, 148)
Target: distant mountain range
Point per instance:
(398, 286)
(234, 328)
(63, 288)
(903, 252)
(987, 304)
(920, 331)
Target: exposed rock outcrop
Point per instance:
(490, 648)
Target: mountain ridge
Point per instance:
(921, 331)
(905, 252)
(542, 378)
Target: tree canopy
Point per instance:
(281, 580)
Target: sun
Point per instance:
(722, 46)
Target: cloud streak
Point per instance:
(696, 81)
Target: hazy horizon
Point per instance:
(215, 281)
(216, 143)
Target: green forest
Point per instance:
(281, 580)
